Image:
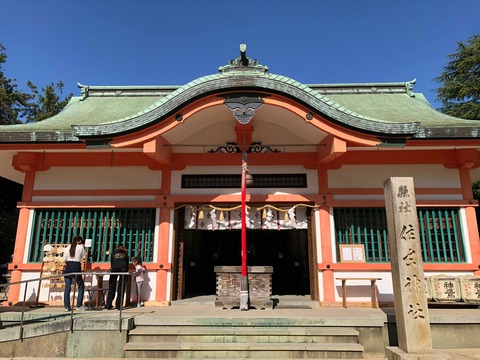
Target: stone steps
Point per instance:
(227, 342)
(244, 334)
(242, 350)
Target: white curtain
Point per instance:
(265, 219)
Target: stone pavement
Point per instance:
(454, 354)
(328, 314)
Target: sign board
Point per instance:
(352, 253)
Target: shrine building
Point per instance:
(158, 168)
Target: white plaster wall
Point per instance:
(312, 182)
(360, 290)
(319, 255)
(6, 168)
(320, 286)
(29, 234)
(98, 178)
(149, 287)
(466, 237)
(373, 176)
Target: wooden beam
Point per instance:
(158, 150)
(330, 149)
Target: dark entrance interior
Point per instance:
(285, 250)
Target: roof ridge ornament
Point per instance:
(243, 63)
(409, 87)
(84, 90)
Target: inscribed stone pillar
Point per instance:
(411, 309)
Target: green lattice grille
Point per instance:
(135, 228)
(440, 233)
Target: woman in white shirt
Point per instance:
(73, 255)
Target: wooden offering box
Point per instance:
(259, 286)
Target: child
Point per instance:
(139, 271)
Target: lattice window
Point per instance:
(234, 181)
(440, 233)
(135, 228)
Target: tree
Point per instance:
(48, 103)
(14, 103)
(17, 106)
(459, 92)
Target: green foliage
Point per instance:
(476, 190)
(460, 81)
(17, 106)
(48, 103)
(14, 103)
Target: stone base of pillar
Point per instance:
(395, 353)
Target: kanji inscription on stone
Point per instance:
(411, 310)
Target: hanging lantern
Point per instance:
(248, 179)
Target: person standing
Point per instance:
(73, 255)
(139, 278)
(119, 263)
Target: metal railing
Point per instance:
(8, 286)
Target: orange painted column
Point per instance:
(163, 249)
(472, 230)
(20, 239)
(164, 267)
(325, 242)
(471, 218)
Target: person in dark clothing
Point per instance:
(119, 263)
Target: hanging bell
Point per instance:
(222, 218)
(200, 214)
(287, 218)
(264, 214)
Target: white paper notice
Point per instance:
(357, 254)
(347, 254)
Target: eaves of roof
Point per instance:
(390, 109)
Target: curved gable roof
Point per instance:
(389, 109)
(261, 82)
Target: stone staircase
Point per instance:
(251, 338)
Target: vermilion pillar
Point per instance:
(20, 239)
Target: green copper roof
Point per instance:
(391, 109)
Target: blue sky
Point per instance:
(147, 42)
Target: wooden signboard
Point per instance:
(53, 264)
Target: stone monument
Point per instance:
(409, 291)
